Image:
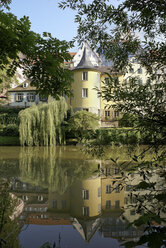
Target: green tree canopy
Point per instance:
(41, 124)
(40, 57)
(81, 121)
(112, 30)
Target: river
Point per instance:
(72, 200)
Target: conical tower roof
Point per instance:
(85, 62)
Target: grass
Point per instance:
(9, 141)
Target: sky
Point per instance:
(45, 16)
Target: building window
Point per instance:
(85, 211)
(54, 204)
(85, 76)
(84, 92)
(117, 204)
(108, 204)
(132, 212)
(63, 203)
(108, 189)
(140, 71)
(117, 189)
(25, 198)
(85, 194)
(107, 113)
(117, 171)
(30, 97)
(140, 81)
(86, 109)
(107, 171)
(126, 200)
(99, 192)
(40, 198)
(43, 98)
(25, 85)
(19, 97)
(128, 187)
(116, 114)
(99, 208)
(106, 80)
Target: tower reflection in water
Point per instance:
(100, 203)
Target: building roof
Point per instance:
(108, 69)
(21, 88)
(72, 54)
(85, 62)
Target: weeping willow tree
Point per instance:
(41, 125)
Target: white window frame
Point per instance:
(86, 109)
(85, 76)
(19, 97)
(99, 208)
(108, 189)
(106, 80)
(107, 113)
(40, 198)
(25, 198)
(117, 189)
(84, 92)
(31, 97)
(99, 192)
(116, 114)
(85, 194)
(108, 204)
(117, 204)
(85, 211)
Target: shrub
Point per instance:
(10, 130)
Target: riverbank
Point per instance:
(9, 141)
(9, 136)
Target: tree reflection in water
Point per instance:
(60, 188)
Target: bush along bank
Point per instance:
(9, 124)
(119, 136)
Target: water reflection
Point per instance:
(60, 188)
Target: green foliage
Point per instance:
(9, 141)
(6, 119)
(111, 28)
(9, 116)
(51, 170)
(41, 124)
(5, 3)
(10, 130)
(6, 80)
(9, 230)
(127, 120)
(82, 121)
(40, 57)
(120, 136)
(10, 111)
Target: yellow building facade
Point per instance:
(89, 77)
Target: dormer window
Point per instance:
(25, 85)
